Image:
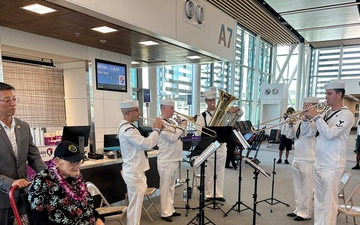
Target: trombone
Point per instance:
(192, 119)
(321, 107)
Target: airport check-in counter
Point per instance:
(105, 174)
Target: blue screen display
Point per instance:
(111, 76)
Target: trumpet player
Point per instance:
(133, 151)
(169, 157)
(303, 132)
(330, 160)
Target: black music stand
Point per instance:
(257, 170)
(200, 161)
(245, 145)
(273, 201)
(223, 135)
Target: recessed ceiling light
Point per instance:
(193, 57)
(148, 43)
(104, 29)
(37, 8)
(134, 62)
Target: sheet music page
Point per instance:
(206, 153)
(257, 167)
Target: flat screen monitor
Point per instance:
(77, 134)
(111, 140)
(110, 76)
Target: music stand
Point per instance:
(201, 144)
(200, 161)
(257, 170)
(245, 145)
(223, 136)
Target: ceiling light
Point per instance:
(104, 29)
(193, 57)
(40, 9)
(148, 43)
(134, 62)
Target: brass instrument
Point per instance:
(321, 107)
(192, 119)
(221, 117)
(167, 126)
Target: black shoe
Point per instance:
(220, 199)
(230, 167)
(299, 218)
(291, 214)
(167, 219)
(357, 167)
(286, 161)
(279, 161)
(208, 199)
(235, 167)
(176, 214)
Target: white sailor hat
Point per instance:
(167, 102)
(129, 103)
(209, 94)
(334, 85)
(311, 100)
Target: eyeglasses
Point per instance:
(76, 163)
(8, 99)
(134, 110)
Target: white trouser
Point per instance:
(168, 174)
(326, 188)
(136, 188)
(303, 181)
(220, 173)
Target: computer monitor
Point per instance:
(79, 135)
(111, 140)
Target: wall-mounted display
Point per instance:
(110, 76)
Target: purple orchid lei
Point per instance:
(69, 191)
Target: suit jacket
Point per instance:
(11, 167)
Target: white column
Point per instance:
(153, 85)
(195, 108)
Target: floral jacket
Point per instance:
(50, 205)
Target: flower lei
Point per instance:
(69, 191)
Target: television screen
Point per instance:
(110, 76)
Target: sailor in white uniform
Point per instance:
(133, 151)
(302, 166)
(169, 157)
(330, 159)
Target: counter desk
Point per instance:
(105, 174)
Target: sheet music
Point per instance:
(253, 165)
(206, 153)
(241, 138)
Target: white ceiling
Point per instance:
(322, 21)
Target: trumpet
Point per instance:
(168, 127)
(192, 119)
(321, 107)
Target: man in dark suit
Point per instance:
(16, 148)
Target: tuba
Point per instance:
(221, 116)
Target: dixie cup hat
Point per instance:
(68, 151)
(167, 102)
(209, 94)
(129, 103)
(311, 100)
(334, 85)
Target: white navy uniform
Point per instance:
(302, 165)
(168, 158)
(133, 147)
(220, 164)
(330, 163)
